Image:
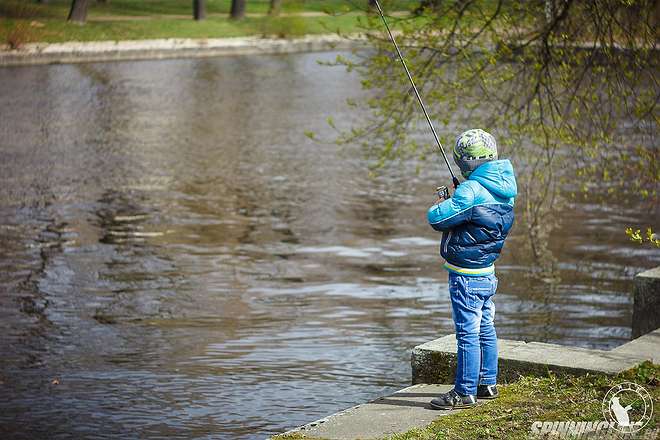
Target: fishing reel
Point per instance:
(443, 192)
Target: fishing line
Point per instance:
(419, 98)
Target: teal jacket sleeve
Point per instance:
(452, 212)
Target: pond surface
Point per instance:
(177, 258)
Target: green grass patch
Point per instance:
(54, 30)
(178, 7)
(530, 399)
(23, 22)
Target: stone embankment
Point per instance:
(82, 52)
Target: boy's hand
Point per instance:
(443, 193)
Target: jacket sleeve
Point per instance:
(452, 212)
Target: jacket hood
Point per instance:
(497, 177)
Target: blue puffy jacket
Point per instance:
(477, 219)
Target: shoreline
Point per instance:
(433, 366)
(71, 52)
(169, 48)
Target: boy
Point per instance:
(474, 223)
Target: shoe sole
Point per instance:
(487, 397)
(433, 406)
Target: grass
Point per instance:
(534, 398)
(60, 8)
(22, 22)
(54, 31)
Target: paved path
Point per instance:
(399, 412)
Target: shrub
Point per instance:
(18, 31)
(283, 27)
(18, 34)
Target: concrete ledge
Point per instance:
(399, 412)
(646, 302)
(95, 51)
(435, 361)
(647, 346)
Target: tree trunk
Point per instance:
(237, 9)
(78, 12)
(199, 9)
(275, 7)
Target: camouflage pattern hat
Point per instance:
(473, 148)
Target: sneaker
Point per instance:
(487, 392)
(453, 400)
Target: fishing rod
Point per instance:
(419, 98)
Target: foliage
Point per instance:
(289, 26)
(568, 88)
(636, 236)
(19, 29)
(18, 33)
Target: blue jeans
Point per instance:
(473, 311)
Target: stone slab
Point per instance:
(646, 302)
(399, 412)
(647, 346)
(435, 361)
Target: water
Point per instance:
(177, 259)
